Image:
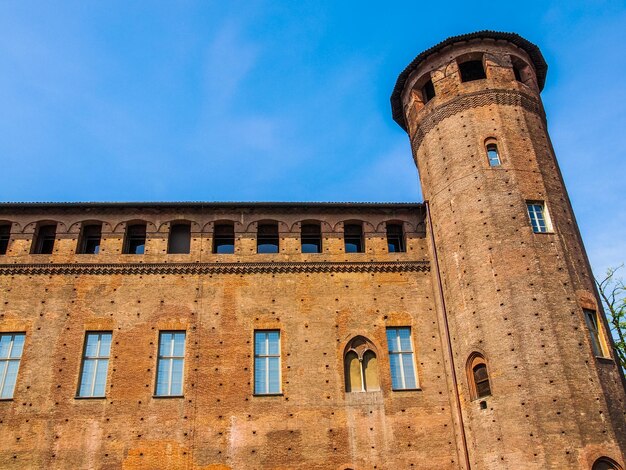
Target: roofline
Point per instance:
(210, 205)
(541, 67)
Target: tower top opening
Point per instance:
(539, 63)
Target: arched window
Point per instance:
(605, 463)
(478, 377)
(361, 366)
(493, 155)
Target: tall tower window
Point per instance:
(492, 153)
(44, 239)
(11, 346)
(311, 238)
(93, 377)
(353, 238)
(361, 366)
(538, 216)
(478, 377)
(224, 238)
(135, 242)
(401, 358)
(595, 333)
(395, 238)
(267, 362)
(428, 91)
(90, 236)
(179, 241)
(267, 238)
(472, 70)
(171, 364)
(5, 234)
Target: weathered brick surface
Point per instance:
(220, 423)
(512, 295)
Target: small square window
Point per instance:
(472, 70)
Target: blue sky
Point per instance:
(281, 101)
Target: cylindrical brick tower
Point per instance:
(532, 368)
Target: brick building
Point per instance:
(464, 332)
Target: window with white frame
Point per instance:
(538, 216)
(266, 362)
(93, 377)
(401, 358)
(493, 155)
(11, 346)
(171, 364)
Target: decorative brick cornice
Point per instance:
(474, 100)
(213, 268)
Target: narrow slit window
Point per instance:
(90, 239)
(267, 238)
(518, 73)
(538, 217)
(267, 362)
(353, 238)
(93, 377)
(179, 241)
(401, 358)
(478, 377)
(472, 70)
(171, 364)
(311, 238)
(428, 91)
(395, 238)
(11, 347)
(5, 234)
(224, 239)
(493, 155)
(595, 334)
(44, 239)
(135, 243)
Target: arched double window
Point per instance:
(478, 377)
(361, 366)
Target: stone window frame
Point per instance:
(363, 350)
(98, 358)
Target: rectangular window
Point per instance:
(93, 377)
(44, 239)
(472, 70)
(311, 238)
(353, 238)
(5, 234)
(401, 358)
(493, 155)
(538, 216)
(179, 241)
(135, 243)
(267, 362)
(90, 239)
(395, 238)
(267, 238)
(171, 364)
(11, 346)
(428, 91)
(224, 239)
(591, 319)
